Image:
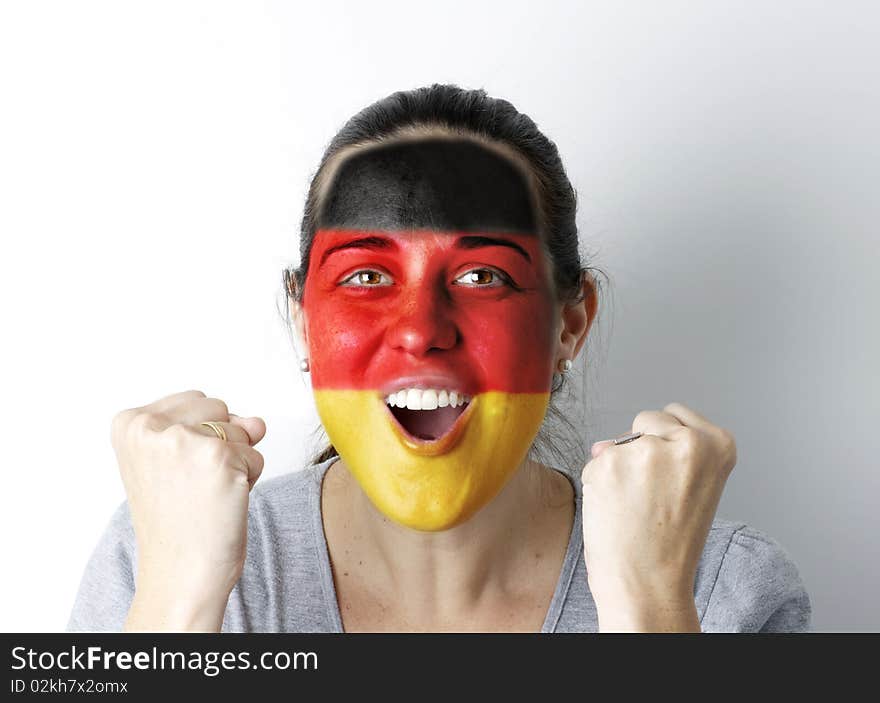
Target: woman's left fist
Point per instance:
(647, 509)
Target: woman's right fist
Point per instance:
(188, 497)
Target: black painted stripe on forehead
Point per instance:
(436, 184)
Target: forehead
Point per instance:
(439, 184)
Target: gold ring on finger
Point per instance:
(218, 429)
(628, 438)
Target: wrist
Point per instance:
(630, 603)
(159, 608)
(648, 614)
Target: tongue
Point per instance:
(427, 424)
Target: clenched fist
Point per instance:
(647, 509)
(188, 492)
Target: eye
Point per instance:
(483, 278)
(366, 277)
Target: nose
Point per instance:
(424, 321)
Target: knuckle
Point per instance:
(122, 417)
(176, 435)
(143, 422)
(237, 465)
(642, 417)
(727, 439)
(688, 443)
(119, 422)
(689, 435)
(186, 394)
(220, 406)
(728, 446)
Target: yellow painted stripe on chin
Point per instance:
(431, 493)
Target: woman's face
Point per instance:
(431, 324)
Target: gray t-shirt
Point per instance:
(745, 582)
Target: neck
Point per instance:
(436, 576)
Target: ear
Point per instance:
(577, 318)
(297, 314)
(300, 323)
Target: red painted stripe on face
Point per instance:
(465, 311)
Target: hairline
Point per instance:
(432, 130)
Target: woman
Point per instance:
(441, 300)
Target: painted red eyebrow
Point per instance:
(360, 243)
(466, 242)
(475, 242)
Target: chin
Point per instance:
(436, 478)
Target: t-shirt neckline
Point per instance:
(322, 554)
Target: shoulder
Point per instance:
(290, 495)
(107, 583)
(749, 582)
(282, 525)
(116, 546)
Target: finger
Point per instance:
(688, 417)
(603, 444)
(254, 426)
(196, 410)
(656, 422)
(169, 402)
(234, 433)
(650, 422)
(252, 461)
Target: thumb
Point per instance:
(254, 426)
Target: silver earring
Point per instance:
(564, 365)
(304, 365)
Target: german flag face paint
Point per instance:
(431, 350)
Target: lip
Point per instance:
(433, 447)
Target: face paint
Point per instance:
(434, 184)
(431, 350)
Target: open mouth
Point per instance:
(428, 420)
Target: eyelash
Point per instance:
(348, 281)
(504, 278)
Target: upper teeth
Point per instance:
(426, 399)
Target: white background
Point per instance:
(154, 159)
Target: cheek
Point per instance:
(343, 337)
(513, 341)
